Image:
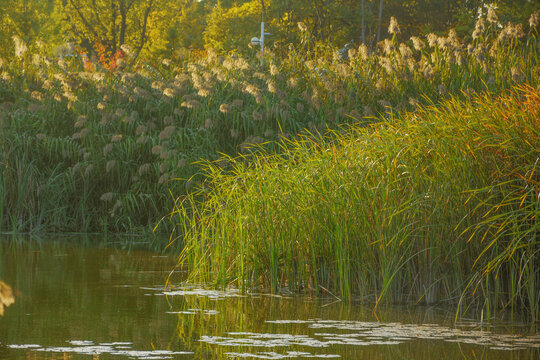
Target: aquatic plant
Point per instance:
(437, 205)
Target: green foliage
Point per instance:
(233, 28)
(440, 205)
(26, 19)
(94, 151)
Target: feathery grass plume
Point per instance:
(141, 93)
(479, 29)
(107, 197)
(107, 149)
(165, 155)
(292, 82)
(168, 120)
(191, 104)
(388, 46)
(117, 205)
(127, 49)
(36, 60)
(517, 74)
(178, 112)
(20, 46)
(363, 51)
(36, 95)
(88, 170)
(492, 15)
(393, 28)
(141, 140)
(111, 164)
(274, 70)
(208, 123)
(99, 76)
(41, 136)
(302, 27)
(225, 108)
(238, 103)
(432, 39)
(163, 167)
(81, 134)
(441, 89)
(76, 169)
(167, 132)
(256, 115)
(158, 85)
(405, 51)
(272, 88)
(81, 121)
(234, 133)
(119, 113)
(168, 92)
(249, 142)
(116, 138)
(34, 108)
(241, 64)
(205, 92)
(418, 44)
(143, 169)
(533, 20)
(157, 149)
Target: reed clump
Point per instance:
(438, 205)
(70, 135)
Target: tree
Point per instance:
(106, 25)
(26, 19)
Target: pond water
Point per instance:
(77, 298)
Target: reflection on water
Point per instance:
(6, 296)
(86, 299)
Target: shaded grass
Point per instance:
(439, 205)
(96, 151)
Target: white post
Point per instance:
(262, 36)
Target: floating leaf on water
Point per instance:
(6, 297)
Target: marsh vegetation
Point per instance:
(401, 172)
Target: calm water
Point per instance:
(105, 301)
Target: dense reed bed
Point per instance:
(93, 150)
(439, 205)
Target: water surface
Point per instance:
(80, 298)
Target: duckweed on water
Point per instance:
(371, 333)
(86, 347)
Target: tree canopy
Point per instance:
(158, 28)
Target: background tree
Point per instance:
(106, 25)
(26, 19)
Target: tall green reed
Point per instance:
(441, 204)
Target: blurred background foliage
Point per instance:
(161, 28)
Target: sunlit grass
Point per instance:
(441, 204)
